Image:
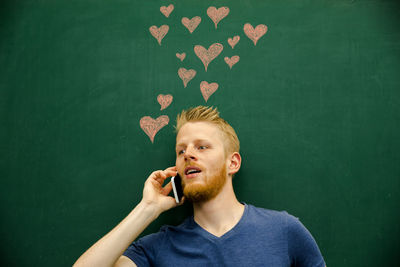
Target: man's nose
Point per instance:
(190, 153)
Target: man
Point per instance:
(222, 231)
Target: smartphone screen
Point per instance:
(177, 188)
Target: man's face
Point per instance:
(200, 160)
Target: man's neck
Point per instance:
(220, 214)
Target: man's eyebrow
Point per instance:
(195, 141)
(178, 145)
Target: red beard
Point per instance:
(202, 192)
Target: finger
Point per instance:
(171, 168)
(167, 174)
(171, 203)
(166, 189)
(156, 174)
(182, 201)
(170, 171)
(159, 176)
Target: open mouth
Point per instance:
(192, 170)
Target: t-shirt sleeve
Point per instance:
(303, 250)
(144, 251)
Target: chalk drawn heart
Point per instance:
(167, 10)
(159, 33)
(255, 34)
(186, 75)
(181, 56)
(232, 61)
(208, 89)
(151, 126)
(217, 15)
(234, 41)
(206, 56)
(164, 100)
(191, 24)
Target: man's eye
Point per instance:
(181, 152)
(202, 147)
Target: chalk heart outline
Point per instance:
(164, 100)
(151, 126)
(191, 24)
(255, 34)
(207, 89)
(216, 15)
(233, 41)
(167, 10)
(186, 75)
(181, 56)
(159, 33)
(232, 61)
(208, 55)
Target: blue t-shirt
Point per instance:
(262, 237)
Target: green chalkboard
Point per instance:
(314, 98)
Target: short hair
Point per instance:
(211, 115)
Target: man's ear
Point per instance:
(235, 161)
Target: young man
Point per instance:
(222, 231)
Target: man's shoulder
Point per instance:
(184, 226)
(269, 215)
(165, 231)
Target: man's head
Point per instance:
(210, 115)
(206, 152)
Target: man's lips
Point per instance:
(192, 171)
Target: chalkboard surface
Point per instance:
(313, 94)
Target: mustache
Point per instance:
(192, 164)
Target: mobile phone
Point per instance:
(177, 188)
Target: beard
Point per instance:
(202, 192)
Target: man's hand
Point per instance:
(155, 195)
(108, 250)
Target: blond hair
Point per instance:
(211, 115)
